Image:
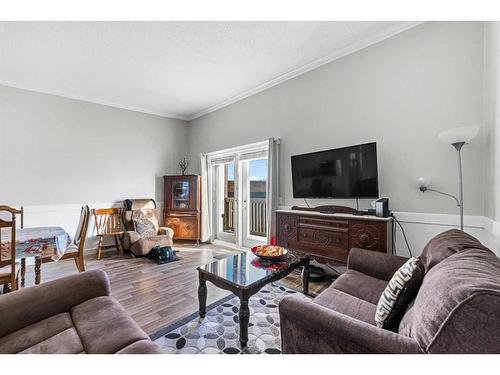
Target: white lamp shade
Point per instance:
(424, 182)
(458, 135)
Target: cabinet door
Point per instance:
(370, 236)
(287, 229)
(184, 227)
(188, 228)
(181, 192)
(173, 223)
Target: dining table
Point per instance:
(38, 243)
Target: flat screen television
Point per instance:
(348, 172)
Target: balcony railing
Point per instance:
(228, 215)
(257, 219)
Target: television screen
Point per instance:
(349, 172)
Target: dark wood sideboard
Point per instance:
(327, 234)
(182, 206)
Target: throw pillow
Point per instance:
(401, 290)
(144, 226)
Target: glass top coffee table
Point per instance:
(245, 274)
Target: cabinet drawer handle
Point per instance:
(337, 240)
(364, 237)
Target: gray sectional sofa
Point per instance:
(457, 308)
(74, 314)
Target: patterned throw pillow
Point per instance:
(144, 226)
(400, 291)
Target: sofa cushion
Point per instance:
(447, 243)
(449, 297)
(141, 347)
(400, 291)
(360, 285)
(34, 334)
(144, 245)
(104, 326)
(347, 304)
(65, 342)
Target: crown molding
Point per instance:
(354, 47)
(95, 101)
(376, 38)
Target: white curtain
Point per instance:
(206, 229)
(272, 186)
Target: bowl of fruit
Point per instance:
(270, 252)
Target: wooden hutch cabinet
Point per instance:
(182, 206)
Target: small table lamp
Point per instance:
(456, 137)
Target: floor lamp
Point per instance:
(456, 137)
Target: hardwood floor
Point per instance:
(156, 296)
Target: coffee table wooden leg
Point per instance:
(202, 296)
(305, 279)
(38, 266)
(244, 316)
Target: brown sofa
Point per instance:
(74, 314)
(457, 309)
(133, 241)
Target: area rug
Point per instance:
(218, 332)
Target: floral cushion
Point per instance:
(144, 226)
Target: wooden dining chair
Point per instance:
(8, 277)
(20, 213)
(73, 252)
(108, 223)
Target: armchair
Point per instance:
(136, 243)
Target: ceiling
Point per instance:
(175, 69)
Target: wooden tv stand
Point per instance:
(327, 233)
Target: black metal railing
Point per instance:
(257, 219)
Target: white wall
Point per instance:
(400, 93)
(492, 127)
(56, 150)
(57, 154)
(492, 120)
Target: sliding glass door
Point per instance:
(239, 196)
(254, 192)
(224, 201)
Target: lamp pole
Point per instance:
(456, 137)
(458, 147)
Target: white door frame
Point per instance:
(247, 239)
(216, 194)
(236, 154)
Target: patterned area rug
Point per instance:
(219, 331)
